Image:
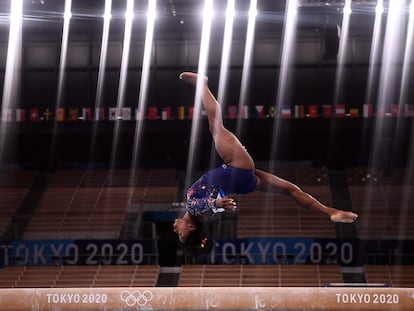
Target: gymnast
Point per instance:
(238, 175)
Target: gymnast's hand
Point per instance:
(226, 203)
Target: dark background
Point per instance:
(333, 142)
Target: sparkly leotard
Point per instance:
(216, 184)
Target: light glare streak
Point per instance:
(393, 38)
(12, 73)
(289, 33)
(225, 61)
(64, 50)
(379, 9)
(122, 77)
(248, 52)
(225, 56)
(101, 76)
(408, 59)
(107, 14)
(375, 53)
(61, 77)
(381, 138)
(369, 97)
(347, 8)
(146, 66)
(343, 42)
(202, 67)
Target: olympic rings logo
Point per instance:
(136, 297)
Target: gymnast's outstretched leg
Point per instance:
(226, 143)
(268, 182)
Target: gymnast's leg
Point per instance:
(268, 182)
(226, 143)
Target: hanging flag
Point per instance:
(190, 111)
(47, 115)
(299, 111)
(126, 113)
(367, 110)
(86, 114)
(166, 113)
(245, 112)
(408, 110)
(113, 113)
(395, 110)
(313, 111)
(60, 114)
(180, 112)
(7, 114)
(340, 111)
(327, 111)
(354, 112)
(232, 112)
(139, 114)
(381, 111)
(260, 111)
(271, 112)
(152, 113)
(20, 115)
(34, 115)
(286, 113)
(99, 114)
(73, 114)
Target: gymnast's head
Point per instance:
(193, 236)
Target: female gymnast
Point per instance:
(238, 175)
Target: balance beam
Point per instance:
(207, 298)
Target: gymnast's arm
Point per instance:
(207, 204)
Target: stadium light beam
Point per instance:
(338, 96)
(288, 46)
(374, 59)
(225, 62)
(101, 77)
(247, 60)
(343, 42)
(379, 156)
(225, 56)
(12, 75)
(403, 102)
(64, 50)
(129, 17)
(379, 9)
(375, 52)
(61, 77)
(202, 69)
(388, 81)
(142, 100)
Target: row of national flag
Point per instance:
(187, 113)
(340, 111)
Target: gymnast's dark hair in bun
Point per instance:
(197, 242)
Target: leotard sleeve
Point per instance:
(202, 200)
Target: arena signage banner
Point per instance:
(346, 252)
(273, 251)
(77, 252)
(260, 251)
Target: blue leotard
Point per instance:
(215, 184)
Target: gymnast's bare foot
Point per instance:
(343, 216)
(191, 77)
